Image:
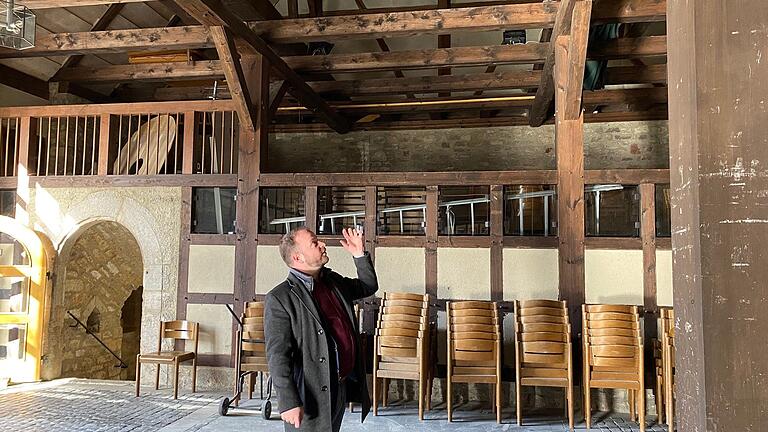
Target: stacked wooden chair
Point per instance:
(667, 342)
(543, 349)
(474, 348)
(402, 346)
(613, 355)
(253, 352)
(177, 330)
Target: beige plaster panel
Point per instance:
(464, 273)
(341, 261)
(270, 268)
(215, 328)
(530, 274)
(664, 277)
(400, 270)
(211, 268)
(614, 276)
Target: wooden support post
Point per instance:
(370, 220)
(182, 298)
(310, 208)
(648, 237)
(497, 243)
(430, 264)
(22, 153)
(104, 133)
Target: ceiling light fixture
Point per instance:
(17, 26)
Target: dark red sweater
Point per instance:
(338, 326)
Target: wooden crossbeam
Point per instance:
(116, 41)
(233, 71)
(498, 80)
(211, 12)
(49, 4)
(577, 57)
(206, 69)
(265, 9)
(653, 74)
(277, 91)
(648, 46)
(21, 81)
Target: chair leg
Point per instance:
(138, 374)
(587, 407)
(250, 385)
(669, 401)
(569, 397)
(157, 377)
(498, 402)
(175, 379)
(449, 399)
(385, 396)
(518, 399)
(422, 388)
(631, 398)
(659, 396)
(641, 408)
(375, 401)
(429, 393)
(194, 374)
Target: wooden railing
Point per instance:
(141, 139)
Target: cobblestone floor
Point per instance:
(90, 405)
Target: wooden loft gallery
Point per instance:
(491, 150)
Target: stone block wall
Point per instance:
(606, 145)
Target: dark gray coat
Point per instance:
(298, 351)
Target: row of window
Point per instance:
(529, 210)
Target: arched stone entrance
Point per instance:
(100, 267)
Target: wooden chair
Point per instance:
(474, 348)
(177, 330)
(613, 355)
(543, 355)
(668, 363)
(253, 351)
(401, 345)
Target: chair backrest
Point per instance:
(613, 337)
(179, 330)
(254, 352)
(403, 321)
(542, 333)
(474, 332)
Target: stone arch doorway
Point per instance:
(100, 283)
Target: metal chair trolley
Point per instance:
(251, 359)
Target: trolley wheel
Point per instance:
(224, 406)
(266, 409)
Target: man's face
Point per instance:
(310, 252)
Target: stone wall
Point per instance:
(606, 145)
(104, 267)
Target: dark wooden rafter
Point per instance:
(293, 8)
(23, 82)
(233, 71)
(444, 41)
(277, 91)
(545, 94)
(265, 9)
(211, 12)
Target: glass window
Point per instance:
(663, 213)
(7, 202)
(530, 210)
(401, 210)
(612, 210)
(338, 208)
(12, 344)
(280, 209)
(213, 210)
(463, 210)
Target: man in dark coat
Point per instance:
(312, 336)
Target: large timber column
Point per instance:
(718, 99)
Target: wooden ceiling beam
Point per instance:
(233, 71)
(23, 82)
(577, 57)
(648, 46)
(212, 12)
(50, 4)
(430, 84)
(653, 74)
(116, 41)
(205, 69)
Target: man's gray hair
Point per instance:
(288, 244)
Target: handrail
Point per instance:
(122, 364)
(116, 108)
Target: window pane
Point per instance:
(14, 294)
(463, 210)
(12, 345)
(612, 211)
(530, 210)
(338, 208)
(663, 214)
(7, 201)
(213, 210)
(401, 210)
(280, 209)
(12, 252)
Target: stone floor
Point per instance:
(91, 405)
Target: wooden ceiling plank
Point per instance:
(212, 12)
(238, 87)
